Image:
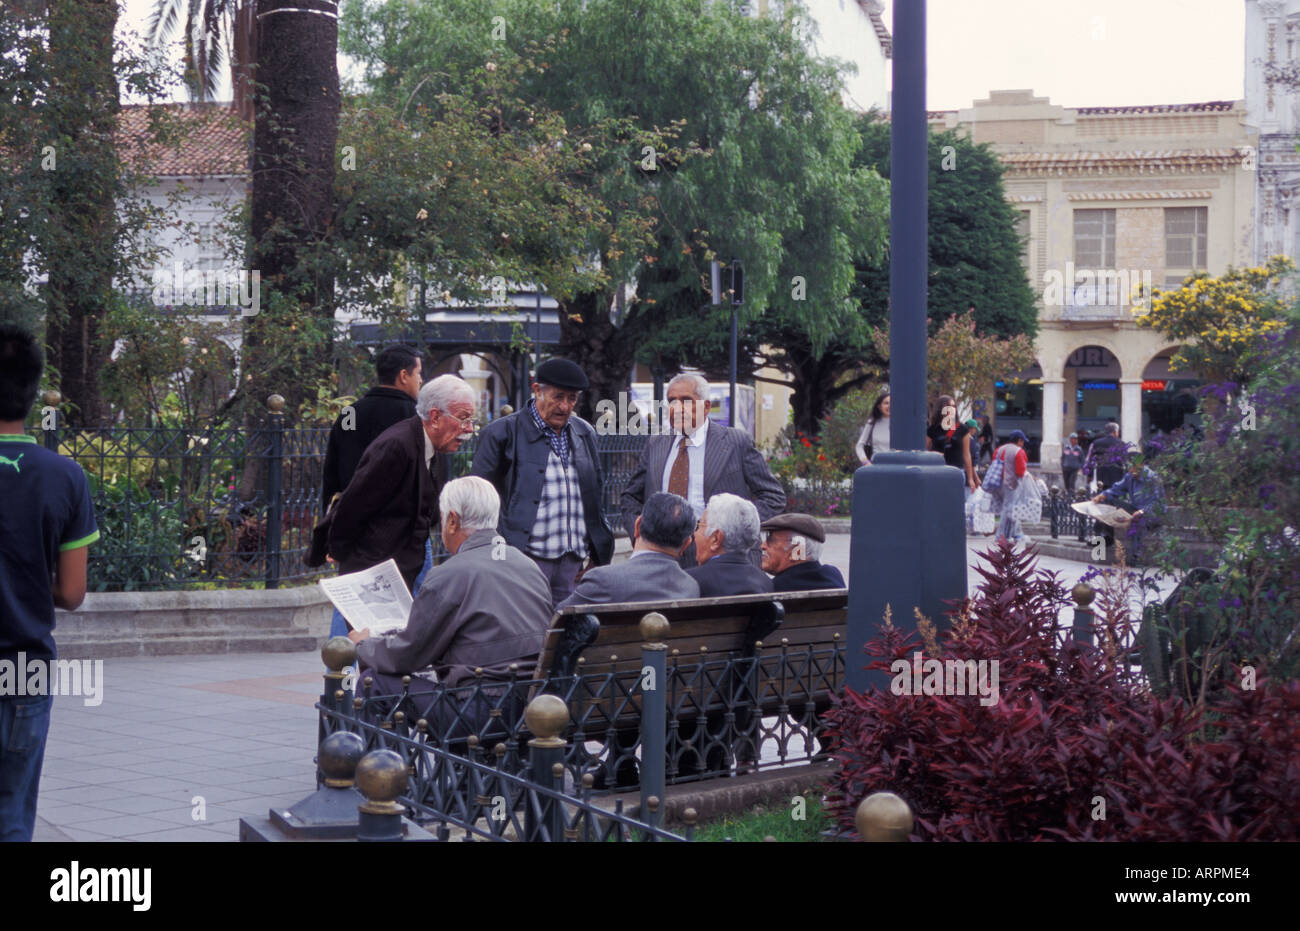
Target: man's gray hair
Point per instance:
(1112, 428)
(812, 549)
(699, 384)
(441, 392)
(473, 500)
(737, 519)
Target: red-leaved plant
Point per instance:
(1074, 748)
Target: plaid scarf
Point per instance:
(559, 441)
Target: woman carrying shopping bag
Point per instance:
(1016, 491)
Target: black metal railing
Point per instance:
(492, 796)
(1063, 520)
(227, 507)
(696, 718)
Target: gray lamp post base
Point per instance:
(907, 550)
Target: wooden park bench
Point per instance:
(729, 659)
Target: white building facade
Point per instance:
(1273, 111)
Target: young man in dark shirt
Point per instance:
(47, 522)
(391, 401)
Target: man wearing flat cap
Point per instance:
(544, 464)
(792, 549)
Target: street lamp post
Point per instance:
(908, 544)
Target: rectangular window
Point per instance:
(1094, 238)
(1022, 230)
(1185, 237)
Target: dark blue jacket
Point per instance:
(730, 574)
(806, 577)
(512, 455)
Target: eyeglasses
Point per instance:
(466, 421)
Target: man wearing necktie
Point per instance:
(700, 459)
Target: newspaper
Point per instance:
(1108, 514)
(376, 598)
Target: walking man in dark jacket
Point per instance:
(1106, 457)
(544, 464)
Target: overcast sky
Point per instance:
(1077, 52)
(1083, 53)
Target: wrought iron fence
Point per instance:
(707, 717)
(1064, 520)
(495, 796)
(228, 507)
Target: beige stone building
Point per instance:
(1111, 198)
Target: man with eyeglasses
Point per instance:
(389, 507)
(544, 464)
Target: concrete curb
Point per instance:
(713, 798)
(168, 623)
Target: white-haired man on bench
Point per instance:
(487, 607)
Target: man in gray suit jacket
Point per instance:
(700, 459)
(487, 607)
(651, 573)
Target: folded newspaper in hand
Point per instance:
(376, 598)
(1108, 514)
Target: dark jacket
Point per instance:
(730, 574)
(646, 575)
(391, 503)
(512, 455)
(381, 407)
(1106, 459)
(806, 577)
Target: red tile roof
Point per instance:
(215, 141)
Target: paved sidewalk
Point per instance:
(234, 731)
(223, 736)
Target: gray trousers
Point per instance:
(561, 574)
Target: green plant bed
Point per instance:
(770, 820)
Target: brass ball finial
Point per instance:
(52, 398)
(337, 653)
(690, 816)
(883, 816)
(381, 777)
(546, 716)
(276, 403)
(654, 627)
(1083, 594)
(339, 755)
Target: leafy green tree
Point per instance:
(70, 208)
(773, 143)
(974, 250)
(962, 362)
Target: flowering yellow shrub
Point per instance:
(1224, 322)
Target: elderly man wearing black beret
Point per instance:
(544, 464)
(792, 549)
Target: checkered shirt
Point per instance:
(561, 526)
(559, 441)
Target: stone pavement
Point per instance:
(222, 736)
